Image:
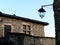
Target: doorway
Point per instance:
(7, 29)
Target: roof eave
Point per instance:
(21, 18)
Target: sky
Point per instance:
(29, 9)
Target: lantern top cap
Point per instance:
(41, 10)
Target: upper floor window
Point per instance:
(26, 29)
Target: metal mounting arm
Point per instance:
(46, 5)
(42, 11)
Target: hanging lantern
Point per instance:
(41, 12)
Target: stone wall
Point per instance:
(36, 29)
(47, 41)
(31, 40)
(23, 39)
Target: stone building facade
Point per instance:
(20, 25)
(23, 31)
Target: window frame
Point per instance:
(27, 29)
(6, 24)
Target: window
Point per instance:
(26, 29)
(7, 29)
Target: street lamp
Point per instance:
(42, 11)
